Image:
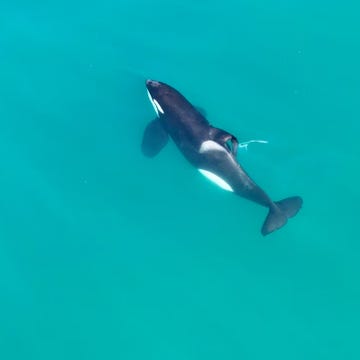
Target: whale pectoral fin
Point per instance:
(201, 110)
(227, 140)
(154, 138)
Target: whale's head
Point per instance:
(157, 92)
(153, 86)
(165, 99)
(157, 89)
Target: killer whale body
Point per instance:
(211, 150)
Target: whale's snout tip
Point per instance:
(152, 83)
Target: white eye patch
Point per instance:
(216, 179)
(155, 104)
(158, 106)
(152, 103)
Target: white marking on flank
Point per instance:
(216, 179)
(152, 102)
(158, 106)
(210, 145)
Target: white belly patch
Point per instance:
(216, 179)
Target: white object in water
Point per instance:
(246, 143)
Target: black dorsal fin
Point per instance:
(225, 139)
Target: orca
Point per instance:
(211, 150)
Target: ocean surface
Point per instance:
(106, 254)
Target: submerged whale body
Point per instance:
(211, 150)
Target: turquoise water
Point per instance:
(105, 254)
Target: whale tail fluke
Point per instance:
(280, 213)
